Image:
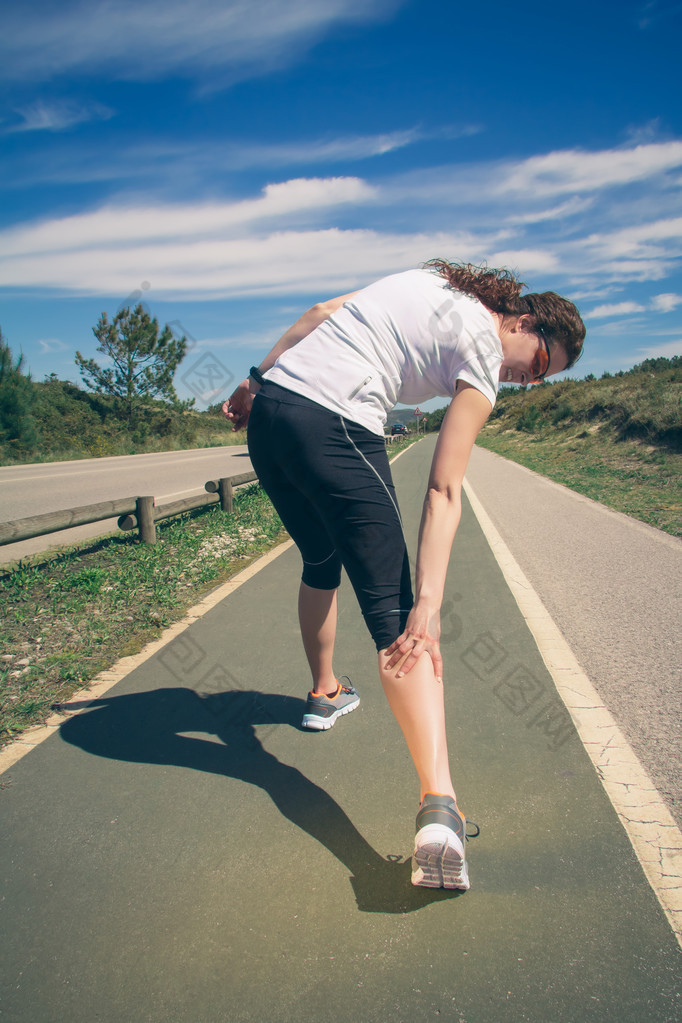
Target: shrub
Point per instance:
(561, 412)
(529, 419)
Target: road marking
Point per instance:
(648, 823)
(48, 476)
(196, 491)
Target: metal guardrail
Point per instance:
(134, 512)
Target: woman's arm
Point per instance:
(462, 422)
(238, 407)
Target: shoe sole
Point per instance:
(439, 860)
(317, 724)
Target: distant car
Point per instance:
(398, 429)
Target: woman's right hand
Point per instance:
(422, 634)
(237, 408)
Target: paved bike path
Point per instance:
(182, 851)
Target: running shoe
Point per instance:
(322, 711)
(439, 860)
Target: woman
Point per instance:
(316, 442)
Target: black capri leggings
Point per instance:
(330, 481)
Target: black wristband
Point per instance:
(256, 375)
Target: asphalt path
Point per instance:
(54, 486)
(180, 850)
(613, 586)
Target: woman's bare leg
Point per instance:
(418, 705)
(317, 610)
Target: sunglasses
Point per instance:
(540, 364)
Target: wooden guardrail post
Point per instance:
(226, 491)
(145, 519)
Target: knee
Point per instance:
(323, 576)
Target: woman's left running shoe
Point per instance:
(439, 859)
(322, 711)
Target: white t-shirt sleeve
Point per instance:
(478, 363)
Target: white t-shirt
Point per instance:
(407, 338)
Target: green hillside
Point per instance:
(617, 440)
(66, 422)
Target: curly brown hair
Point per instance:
(500, 291)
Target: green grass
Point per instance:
(67, 618)
(69, 423)
(68, 615)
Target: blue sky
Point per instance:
(230, 162)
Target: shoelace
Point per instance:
(350, 688)
(473, 824)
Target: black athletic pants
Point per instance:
(330, 481)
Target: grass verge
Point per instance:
(68, 617)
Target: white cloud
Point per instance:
(537, 178)
(113, 226)
(616, 309)
(665, 303)
(640, 239)
(357, 147)
(575, 170)
(280, 242)
(285, 262)
(52, 344)
(57, 116)
(525, 260)
(597, 292)
(603, 245)
(127, 39)
(667, 349)
(638, 252)
(621, 329)
(565, 209)
(329, 149)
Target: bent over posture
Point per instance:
(316, 408)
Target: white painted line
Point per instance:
(649, 825)
(195, 491)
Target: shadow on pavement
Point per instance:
(148, 727)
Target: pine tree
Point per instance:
(18, 434)
(144, 360)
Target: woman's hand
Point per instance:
(422, 633)
(237, 408)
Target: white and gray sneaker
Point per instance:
(321, 711)
(439, 859)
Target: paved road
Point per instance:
(612, 584)
(614, 587)
(170, 475)
(181, 851)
